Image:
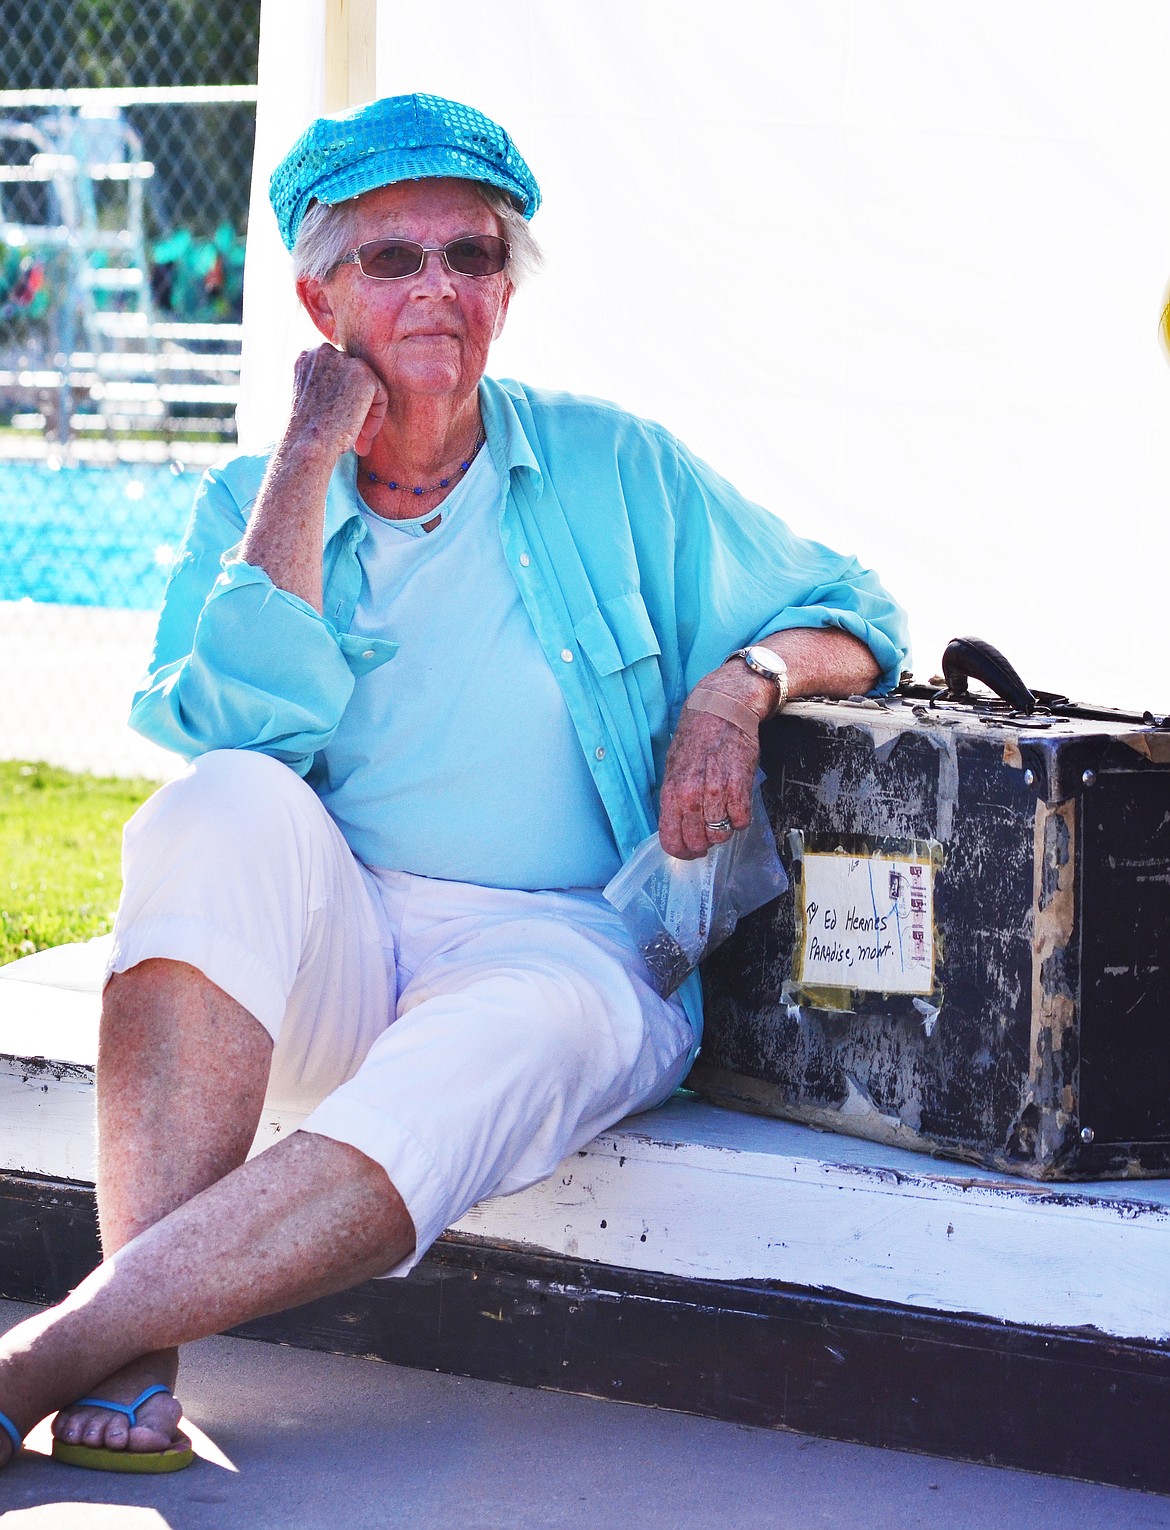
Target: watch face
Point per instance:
(764, 659)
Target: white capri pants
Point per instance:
(465, 1038)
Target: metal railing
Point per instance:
(103, 358)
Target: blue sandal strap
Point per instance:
(127, 1410)
(11, 1431)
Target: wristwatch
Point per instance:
(765, 662)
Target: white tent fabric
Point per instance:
(894, 269)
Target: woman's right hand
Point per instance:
(339, 402)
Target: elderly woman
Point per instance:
(426, 656)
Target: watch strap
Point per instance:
(778, 678)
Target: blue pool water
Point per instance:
(91, 536)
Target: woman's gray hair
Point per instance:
(327, 234)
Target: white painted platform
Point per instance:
(697, 1191)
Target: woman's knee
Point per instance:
(225, 798)
(240, 781)
(235, 826)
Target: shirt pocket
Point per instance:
(617, 633)
(618, 639)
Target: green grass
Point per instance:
(60, 854)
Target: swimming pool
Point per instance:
(91, 535)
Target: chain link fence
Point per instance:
(126, 134)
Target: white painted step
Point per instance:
(697, 1191)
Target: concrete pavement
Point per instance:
(292, 1440)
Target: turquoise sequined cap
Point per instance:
(400, 138)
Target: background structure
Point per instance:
(126, 134)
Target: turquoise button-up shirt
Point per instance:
(639, 567)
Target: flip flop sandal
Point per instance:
(100, 1459)
(13, 1434)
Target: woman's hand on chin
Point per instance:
(339, 401)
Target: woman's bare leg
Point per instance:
(308, 1217)
(181, 1075)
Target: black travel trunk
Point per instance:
(974, 955)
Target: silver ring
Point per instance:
(720, 826)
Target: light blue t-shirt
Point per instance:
(460, 759)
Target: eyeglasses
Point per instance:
(386, 260)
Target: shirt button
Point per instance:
(567, 655)
(525, 560)
(369, 654)
(599, 753)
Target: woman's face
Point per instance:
(423, 334)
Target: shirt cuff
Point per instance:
(888, 655)
(297, 616)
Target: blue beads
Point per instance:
(443, 483)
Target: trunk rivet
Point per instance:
(1029, 778)
(1086, 1135)
(1089, 777)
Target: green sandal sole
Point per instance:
(97, 1459)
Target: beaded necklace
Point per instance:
(443, 483)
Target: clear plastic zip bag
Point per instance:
(678, 911)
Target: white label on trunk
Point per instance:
(868, 923)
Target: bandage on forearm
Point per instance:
(735, 712)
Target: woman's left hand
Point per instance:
(711, 767)
(711, 764)
(709, 773)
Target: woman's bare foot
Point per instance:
(157, 1426)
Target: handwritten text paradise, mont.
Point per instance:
(868, 923)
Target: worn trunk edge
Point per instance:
(1069, 1404)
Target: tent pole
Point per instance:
(351, 28)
